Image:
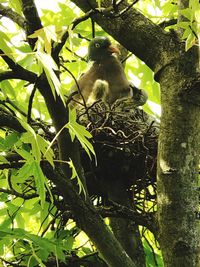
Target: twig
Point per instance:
(11, 122)
(10, 263)
(122, 12)
(167, 23)
(115, 5)
(17, 194)
(93, 28)
(77, 85)
(3, 102)
(70, 97)
(15, 106)
(81, 58)
(65, 36)
(124, 59)
(117, 210)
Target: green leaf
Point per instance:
(183, 24)
(49, 66)
(10, 140)
(4, 46)
(40, 181)
(186, 33)
(16, 5)
(7, 89)
(24, 154)
(43, 144)
(30, 137)
(35, 255)
(190, 41)
(24, 172)
(45, 37)
(75, 175)
(3, 160)
(80, 132)
(187, 12)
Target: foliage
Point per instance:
(32, 230)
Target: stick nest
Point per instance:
(125, 142)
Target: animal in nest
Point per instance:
(105, 78)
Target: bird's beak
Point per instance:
(113, 49)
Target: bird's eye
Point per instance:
(97, 45)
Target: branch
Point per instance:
(17, 194)
(65, 36)
(32, 18)
(153, 45)
(8, 60)
(6, 75)
(10, 122)
(30, 103)
(14, 16)
(147, 220)
(167, 23)
(122, 12)
(89, 221)
(18, 72)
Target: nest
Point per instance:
(125, 142)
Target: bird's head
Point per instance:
(100, 48)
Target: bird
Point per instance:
(105, 79)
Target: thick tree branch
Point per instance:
(14, 16)
(10, 122)
(138, 34)
(33, 21)
(18, 72)
(6, 75)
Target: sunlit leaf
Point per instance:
(80, 132)
(186, 13)
(99, 3)
(3, 160)
(49, 66)
(43, 144)
(5, 45)
(75, 175)
(40, 181)
(190, 41)
(31, 138)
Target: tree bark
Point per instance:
(178, 160)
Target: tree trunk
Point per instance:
(178, 161)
